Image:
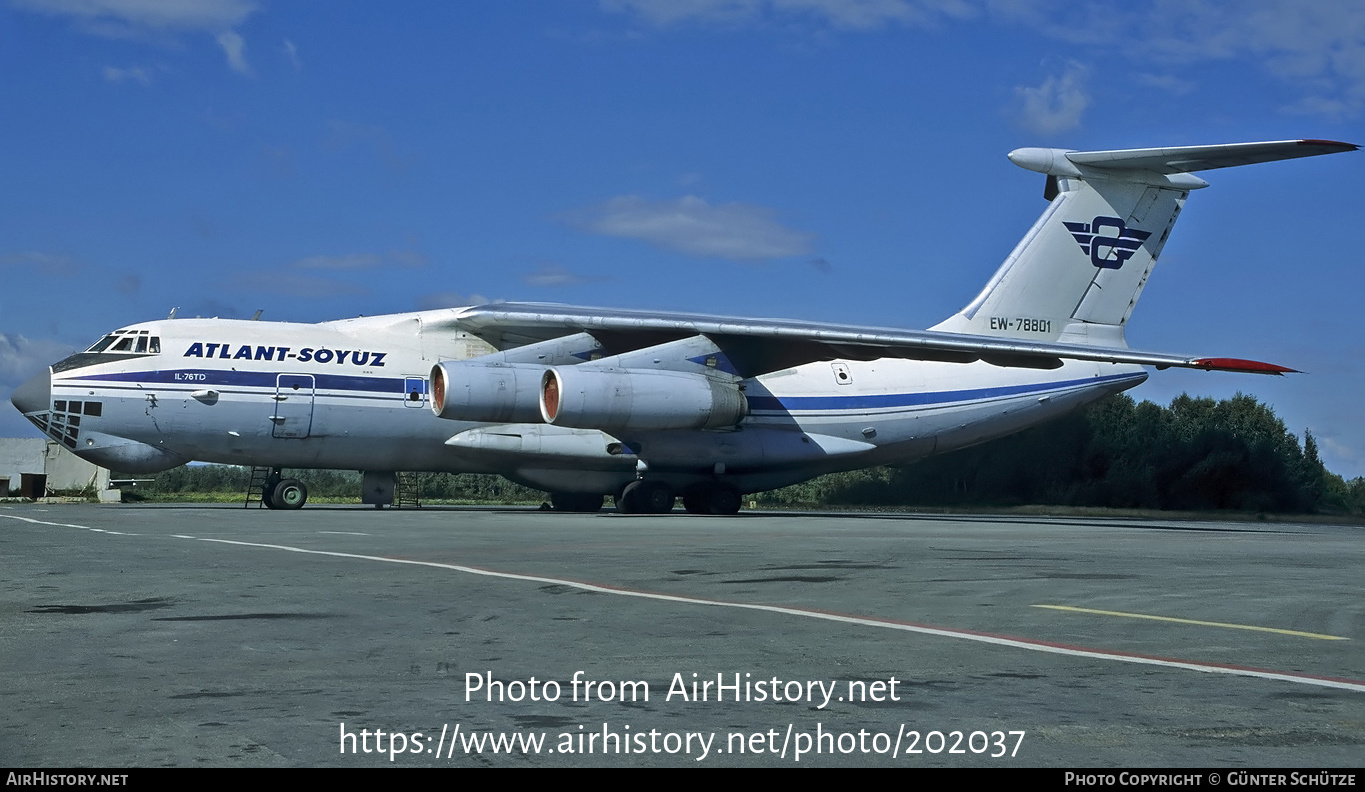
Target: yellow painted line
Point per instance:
(1072, 609)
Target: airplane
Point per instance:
(649, 406)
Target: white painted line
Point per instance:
(890, 624)
(66, 525)
(1196, 622)
(1032, 645)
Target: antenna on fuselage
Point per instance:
(171, 315)
(256, 317)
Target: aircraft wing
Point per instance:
(759, 346)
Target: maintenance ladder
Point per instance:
(407, 493)
(255, 488)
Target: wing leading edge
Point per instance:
(760, 346)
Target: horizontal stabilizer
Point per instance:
(1179, 159)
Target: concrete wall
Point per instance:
(64, 470)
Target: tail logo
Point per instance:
(1108, 252)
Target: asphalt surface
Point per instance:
(147, 636)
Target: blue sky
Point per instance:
(839, 160)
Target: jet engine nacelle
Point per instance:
(467, 390)
(589, 397)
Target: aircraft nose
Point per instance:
(34, 395)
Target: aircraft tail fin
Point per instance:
(1079, 271)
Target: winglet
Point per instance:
(1237, 364)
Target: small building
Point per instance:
(38, 467)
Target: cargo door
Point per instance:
(293, 415)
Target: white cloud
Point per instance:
(843, 14)
(450, 299)
(690, 225)
(1340, 452)
(553, 275)
(292, 52)
(668, 12)
(353, 261)
(1057, 105)
(134, 73)
(1323, 106)
(21, 358)
(874, 14)
(1318, 46)
(362, 261)
(1165, 82)
(293, 284)
(1321, 44)
(110, 17)
(155, 19)
(233, 45)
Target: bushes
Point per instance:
(1195, 454)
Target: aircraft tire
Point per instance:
(724, 500)
(713, 498)
(289, 494)
(622, 505)
(576, 502)
(646, 497)
(268, 490)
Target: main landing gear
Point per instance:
(283, 493)
(713, 497)
(656, 497)
(645, 497)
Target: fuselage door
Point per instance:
(293, 415)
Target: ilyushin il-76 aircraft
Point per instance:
(647, 406)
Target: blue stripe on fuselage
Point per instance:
(257, 379)
(892, 400)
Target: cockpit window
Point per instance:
(136, 342)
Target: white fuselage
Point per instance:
(354, 395)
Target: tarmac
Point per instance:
(217, 636)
